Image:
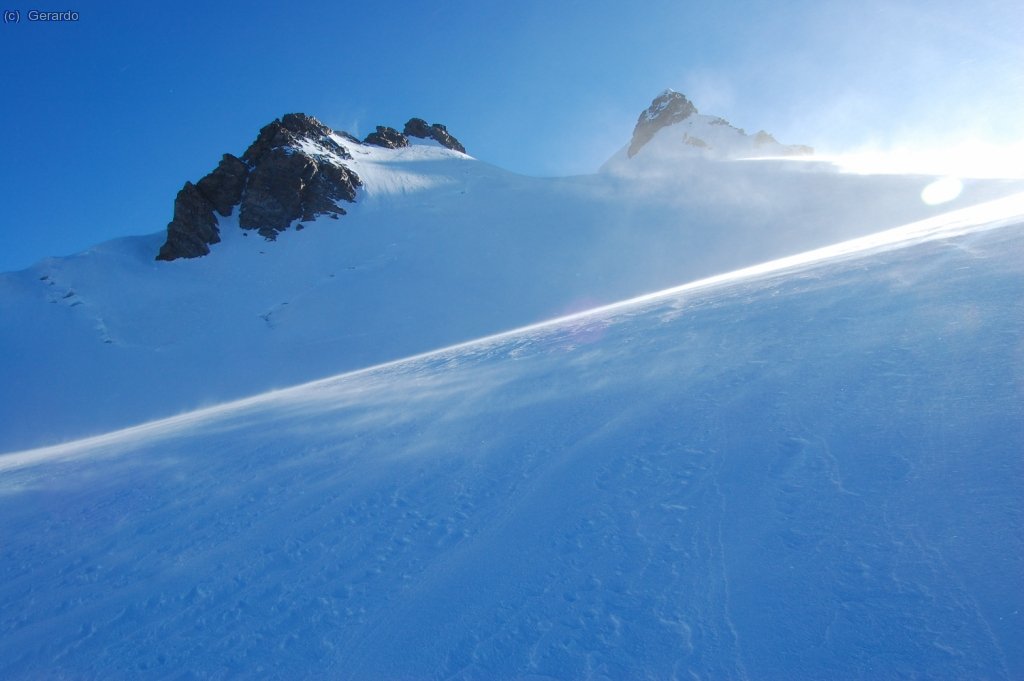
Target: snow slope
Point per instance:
(440, 248)
(809, 470)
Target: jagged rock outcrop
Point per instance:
(296, 174)
(294, 171)
(288, 186)
(193, 227)
(274, 196)
(289, 131)
(667, 108)
(223, 187)
(290, 182)
(417, 127)
(386, 137)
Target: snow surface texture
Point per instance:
(809, 470)
(440, 248)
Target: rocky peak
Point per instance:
(294, 171)
(296, 174)
(417, 127)
(386, 137)
(695, 135)
(290, 131)
(667, 108)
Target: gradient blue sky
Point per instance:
(104, 119)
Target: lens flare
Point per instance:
(943, 190)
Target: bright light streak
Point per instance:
(965, 160)
(943, 190)
(991, 215)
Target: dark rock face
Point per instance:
(330, 184)
(446, 139)
(193, 227)
(289, 131)
(273, 197)
(288, 183)
(417, 127)
(387, 137)
(293, 171)
(223, 187)
(667, 108)
(288, 186)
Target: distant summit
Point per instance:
(673, 125)
(667, 108)
(295, 171)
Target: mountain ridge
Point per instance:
(296, 170)
(438, 248)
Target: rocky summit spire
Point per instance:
(667, 108)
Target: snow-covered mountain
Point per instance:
(671, 129)
(384, 248)
(806, 470)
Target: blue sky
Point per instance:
(105, 118)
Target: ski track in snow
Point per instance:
(804, 470)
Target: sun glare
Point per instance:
(966, 160)
(943, 190)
